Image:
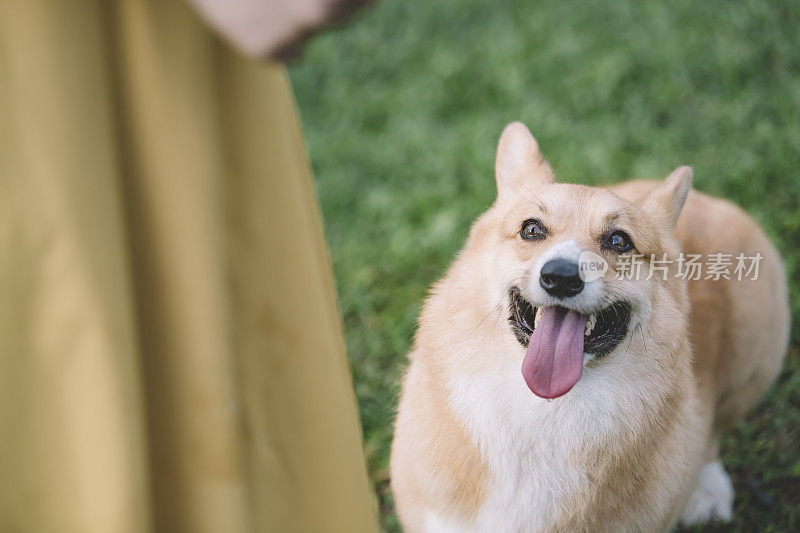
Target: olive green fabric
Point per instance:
(170, 349)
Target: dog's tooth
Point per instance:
(590, 323)
(537, 317)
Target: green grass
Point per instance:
(402, 109)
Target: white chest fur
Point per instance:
(530, 443)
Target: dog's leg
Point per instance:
(712, 496)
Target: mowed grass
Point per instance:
(402, 109)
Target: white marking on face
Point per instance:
(587, 301)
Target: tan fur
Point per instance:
(694, 364)
(457, 482)
(738, 329)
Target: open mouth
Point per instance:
(556, 339)
(602, 333)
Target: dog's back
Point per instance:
(739, 326)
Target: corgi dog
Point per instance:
(550, 393)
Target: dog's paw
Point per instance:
(712, 498)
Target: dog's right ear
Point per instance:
(668, 197)
(519, 163)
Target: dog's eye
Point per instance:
(532, 230)
(619, 241)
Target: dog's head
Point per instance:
(573, 264)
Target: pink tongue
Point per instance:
(554, 361)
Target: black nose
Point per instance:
(560, 278)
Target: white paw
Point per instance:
(712, 498)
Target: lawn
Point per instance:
(402, 109)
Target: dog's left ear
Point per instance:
(668, 198)
(519, 164)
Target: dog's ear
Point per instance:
(519, 163)
(668, 198)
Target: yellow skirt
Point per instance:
(170, 349)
